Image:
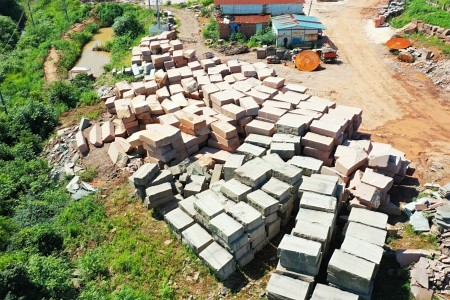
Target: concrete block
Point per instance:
(196, 238)
(263, 202)
(249, 217)
(250, 151)
(274, 82)
(356, 276)
(324, 292)
(271, 113)
(278, 189)
(318, 202)
(301, 251)
(367, 194)
(370, 218)
(254, 173)
(248, 70)
(294, 88)
(367, 233)
(81, 142)
(351, 159)
(258, 96)
(235, 190)
(287, 173)
(273, 229)
(381, 182)
(288, 138)
(226, 228)
(208, 208)
(259, 140)
(249, 105)
(363, 249)
(233, 111)
(145, 174)
(284, 150)
(309, 165)
(218, 260)
(317, 141)
(315, 216)
(178, 220)
(293, 124)
(234, 161)
(318, 186)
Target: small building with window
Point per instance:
(248, 25)
(294, 30)
(256, 7)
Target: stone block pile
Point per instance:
(353, 267)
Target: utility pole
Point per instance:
(3, 102)
(149, 6)
(310, 4)
(157, 15)
(65, 9)
(31, 13)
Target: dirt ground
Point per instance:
(401, 106)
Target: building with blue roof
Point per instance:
(296, 30)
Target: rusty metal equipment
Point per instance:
(398, 43)
(307, 60)
(327, 53)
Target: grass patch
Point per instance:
(427, 41)
(411, 239)
(392, 282)
(89, 174)
(421, 10)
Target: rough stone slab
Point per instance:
(224, 129)
(95, 136)
(363, 249)
(218, 260)
(309, 165)
(299, 250)
(178, 220)
(284, 150)
(263, 202)
(367, 233)
(253, 173)
(356, 276)
(419, 222)
(312, 231)
(351, 160)
(260, 127)
(256, 235)
(235, 190)
(366, 217)
(249, 217)
(208, 208)
(259, 140)
(117, 154)
(287, 288)
(318, 186)
(196, 238)
(293, 274)
(325, 292)
(287, 173)
(187, 205)
(381, 182)
(314, 216)
(107, 132)
(288, 138)
(158, 192)
(233, 162)
(251, 151)
(367, 194)
(293, 124)
(273, 228)
(294, 88)
(81, 142)
(145, 174)
(226, 228)
(317, 141)
(278, 189)
(319, 202)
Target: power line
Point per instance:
(31, 13)
(12, 33)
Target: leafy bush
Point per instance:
(7, 228)
(127, 25)
(263, 37)
(93, 264)
(41, 239)
(83, 81)
(8, 33)
(15, 282)
(108, 12)
(63, 92)
(211, 31)
(206, 3)
(12, 9)
(238, 37)
(37, 117)
(52, 275)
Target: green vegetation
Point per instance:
(428, 41)
(262, 37)
(421, 10)
(211, 31)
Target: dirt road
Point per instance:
(400, 106)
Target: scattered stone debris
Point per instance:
(233, 49)
(78, 189)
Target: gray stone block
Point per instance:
(263, 202)
(366, 233)
(299, 250)
(233, 162)
(254, 173)
(145, 174)
(309, 165)
(196, 238)
(367, 217)
(192, 188)
(158, 192)
(272, 229)
(291, 273)
(290, 139)
(178, 220)
(287, 173)
(325, 292)
(259, 140)
(351, 273)
(187, 205)
(246, 259)
(287, 288)
(318, 202)
(312, 231)
(226, 228)
(212, 194)
(249, 217)
(218, 260)
(235, 190)
(278, 189)
(251, 151)
(363, 249)
(318, 186)
(284, 150)
(273, 159)
(163, 177)
(208, 208)
(257, 233)
(314, 216)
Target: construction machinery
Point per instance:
(327, 53)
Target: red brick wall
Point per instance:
(247, 29)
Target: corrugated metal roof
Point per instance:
(250, 2)
(296, 21)
(253, 19)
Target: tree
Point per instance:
(108, 12)
(8, 33)
(37, 117)
(127, 25)
(12, 9)
(15, 283)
